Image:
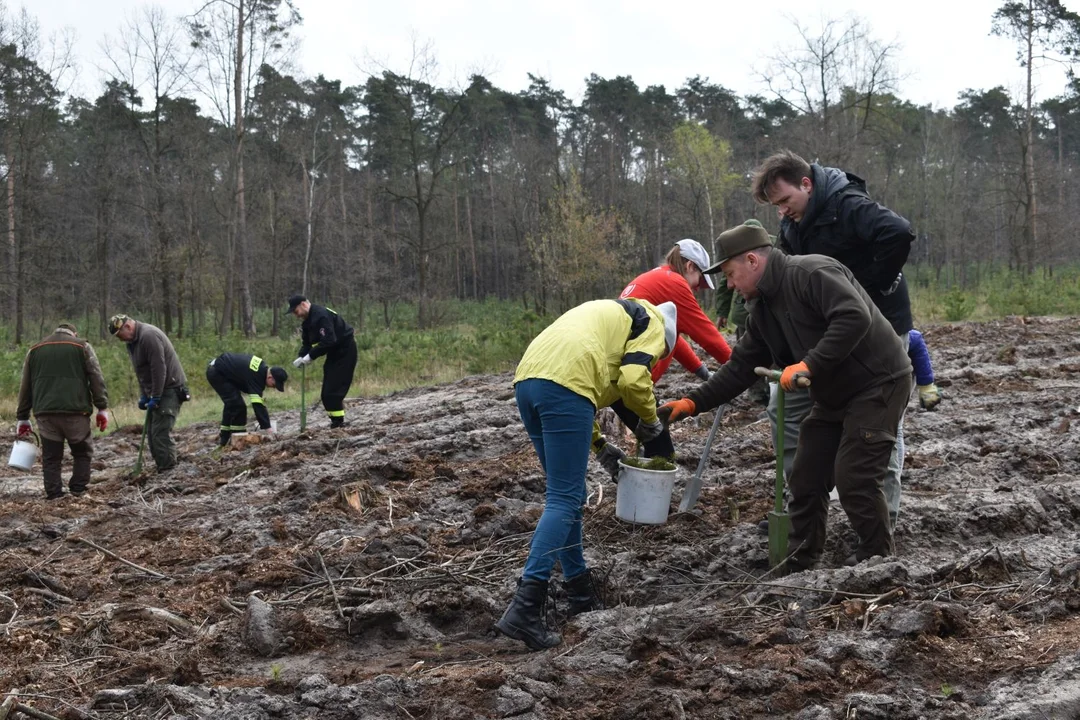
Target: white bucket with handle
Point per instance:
(644, 496)
(23, 455)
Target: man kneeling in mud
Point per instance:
(808, 315)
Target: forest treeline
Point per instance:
(208, 179)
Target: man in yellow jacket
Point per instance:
(591, 356)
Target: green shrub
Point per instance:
(958, 305)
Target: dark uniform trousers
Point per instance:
(337, 377)
(234, 414)
(847, 448)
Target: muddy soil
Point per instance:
(356, 573)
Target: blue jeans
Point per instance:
(559, 423)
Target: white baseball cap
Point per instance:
(693, 251)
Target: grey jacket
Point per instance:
(157, 366)
(811, 308)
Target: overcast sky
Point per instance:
(946, 45)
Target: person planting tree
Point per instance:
(810, 316)
(234, 375)
(62, 383)
(324, 332)
(162, 383)
(591, 356)
(675, 281)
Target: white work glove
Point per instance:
(22, 428)
(301, 361)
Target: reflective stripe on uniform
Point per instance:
(255, 399)
(336, 413)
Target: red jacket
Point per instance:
(663, 284)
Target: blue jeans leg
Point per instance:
(559, 423)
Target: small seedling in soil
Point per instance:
(947, 689)
(275, 672)
(654, 463)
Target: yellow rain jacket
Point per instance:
(603, 350)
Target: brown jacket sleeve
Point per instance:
(847, 318)
(734, 376)
(26, 394)
(97, 380)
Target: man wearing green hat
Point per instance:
(810, 316)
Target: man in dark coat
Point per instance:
(811, 317)
(324, 332)
(235, 376)
(62, 383)
(828, 211)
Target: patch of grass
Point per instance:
(947, 689)
(996, 293)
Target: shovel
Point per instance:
(779, 521)
(303, 397)
(690, 494)
(142, 445)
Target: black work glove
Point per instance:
(609, 456)
(648, 431)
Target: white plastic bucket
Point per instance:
(644, 496)
(23, 455)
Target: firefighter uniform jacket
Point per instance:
(247, 373)
(323, 332)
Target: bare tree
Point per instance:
(152, 57)
(235, 38)
(835, 69)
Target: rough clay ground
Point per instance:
(261, 593)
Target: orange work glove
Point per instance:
(791, 374)
(676, 410)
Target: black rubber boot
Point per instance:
(525, 618)
(337, 422)
(582, 594)
(223, 438)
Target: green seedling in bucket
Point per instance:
(779, 521)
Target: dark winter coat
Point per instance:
(157, 366)
(842, 222)
(323, 331)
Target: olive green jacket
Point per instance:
(61, 374)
